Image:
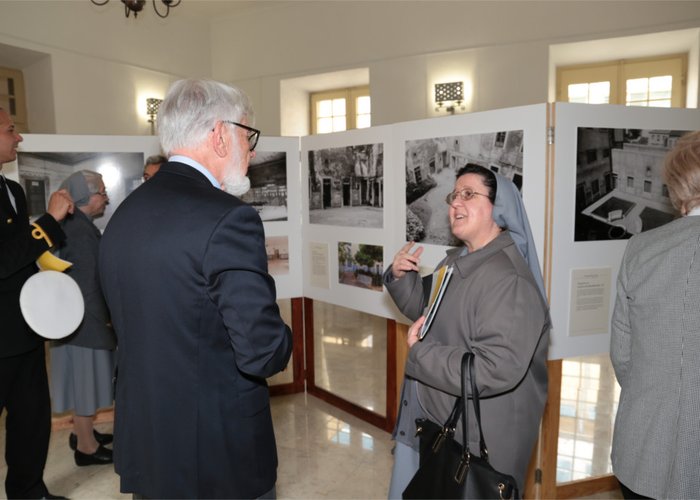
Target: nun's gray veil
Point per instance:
(78, 188)
(509, 213)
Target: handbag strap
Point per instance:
(468, 368)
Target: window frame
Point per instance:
(350, 95)
(619, 71)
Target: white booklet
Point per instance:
(439, 281)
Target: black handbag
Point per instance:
(447, 468)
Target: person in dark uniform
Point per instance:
(24, 389)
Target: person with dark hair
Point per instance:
(495, 307)
(184, 271)
(82, 364)
(152, 166)
(655, 344)
(24, 387)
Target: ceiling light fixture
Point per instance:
(136, 6)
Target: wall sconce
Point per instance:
(152, 105)
(449, 96)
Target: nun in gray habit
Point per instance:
(82, 364)
(495, 307)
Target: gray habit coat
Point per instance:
(492, 307)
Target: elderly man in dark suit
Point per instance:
(184, 272)
(24, 389)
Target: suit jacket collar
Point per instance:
(183, 169)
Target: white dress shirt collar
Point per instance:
(197, 166)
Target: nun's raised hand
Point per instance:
(405, 260)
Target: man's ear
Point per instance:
(219, 140)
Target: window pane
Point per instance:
(363, 121)
(339, 123)
(578, 92)
(338, 107)
(660, 87)
(661, 83)
(599, 93)
(664, 103)
(324, 125)
(363, 105)
(590, 93)
(324, 108)
(637, 90)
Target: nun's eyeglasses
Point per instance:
(463, 194)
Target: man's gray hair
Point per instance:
(155, 160)
(191, 109)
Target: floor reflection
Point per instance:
(350, 355)
(286, 376)
(589, 399)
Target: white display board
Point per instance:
(120, 160)
(348, 200)
(584, 272)
(528, 122)
(44, 161)
(289, 281)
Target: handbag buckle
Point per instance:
(440, 438)
(463, 468)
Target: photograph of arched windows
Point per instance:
(431, 166)
(620, 191)
(268, 185)
(346, 186)
(277, 249)
(360, 265)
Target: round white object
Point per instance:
(52, 304)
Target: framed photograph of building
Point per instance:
(277, 249)
(346, 186)
(620, 191)
(431, 167)
(268, 185)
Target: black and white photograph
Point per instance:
(277, 248)
(41, 173)
(431, 167)
(346, 186)
(620, 191)
(360, 265)
(268, 185)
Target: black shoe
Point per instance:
(100, 438)
(54, 497)
(101, 456)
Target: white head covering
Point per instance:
(509, 213)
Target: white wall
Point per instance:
(88, 69)
(503, 47)
(94, 67)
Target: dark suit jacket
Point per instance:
(184, 272)
(18, 252)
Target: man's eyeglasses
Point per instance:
(253, 134)
(463, 194)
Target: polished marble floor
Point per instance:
(323, 453)
(327, 453)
